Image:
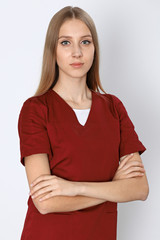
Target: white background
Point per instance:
(129, 38)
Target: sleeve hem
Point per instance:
(132, 149)
(36, 151)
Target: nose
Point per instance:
(76, 52)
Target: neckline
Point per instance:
(77, 123)
(81, 109)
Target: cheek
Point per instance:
(61, 57)
(89, 56)
(90, 53)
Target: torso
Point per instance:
(88, 152)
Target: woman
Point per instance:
(79, 147)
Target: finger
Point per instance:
(41, 191)
(49, 195)
(124, 161)
(39, 179)
(134, 169)
(133, 163)
(39, 186)
(135, 174)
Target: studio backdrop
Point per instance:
(129, 40)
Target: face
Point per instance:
(75, 45)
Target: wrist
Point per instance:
(80, 188)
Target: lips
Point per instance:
(77, 64)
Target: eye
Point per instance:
(64, 42)
(87, 41)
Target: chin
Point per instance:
(77, 76)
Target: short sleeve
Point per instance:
(32, 129)
(129, 140)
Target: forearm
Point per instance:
(68, 203)
(115, 191)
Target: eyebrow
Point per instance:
(71, 37)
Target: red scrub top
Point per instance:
(48, 124)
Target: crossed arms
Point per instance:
(128, 184)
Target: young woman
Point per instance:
(79, 147)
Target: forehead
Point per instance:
(74, 27)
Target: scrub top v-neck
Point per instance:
(75, 120)
(82, 115)
(89, 152)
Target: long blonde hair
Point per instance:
(50, 71)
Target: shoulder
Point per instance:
(113, 102)
(34, 105)
(110, 98)
(40, 100)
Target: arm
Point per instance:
(37, 165)
(123, 190)
(69, 203)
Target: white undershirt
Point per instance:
(82, 115)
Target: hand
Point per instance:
(129, 169)
(52, 186)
